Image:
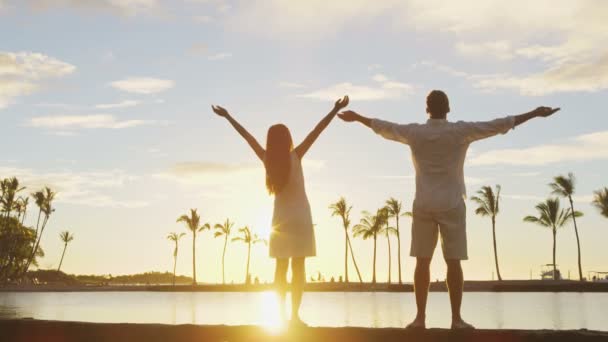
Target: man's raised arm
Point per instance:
(538, 112)
(388, 130)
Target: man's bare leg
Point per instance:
(422, 280)
(455, 284)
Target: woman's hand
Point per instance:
(341, 103)
(220, 111)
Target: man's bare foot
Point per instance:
(417, 324)
(461, 325)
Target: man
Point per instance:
(439, 149)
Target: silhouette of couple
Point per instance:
(438, 149)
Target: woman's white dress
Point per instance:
(292, 234)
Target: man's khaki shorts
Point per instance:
(426, 226)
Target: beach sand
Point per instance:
(28, 330)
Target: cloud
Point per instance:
(593, 146)
(384, 89)
(81, 188)
(119, 7)
(568, 77)
(291, 85)
(564, 40)
(122, 104)
(143, 85)
(71, 122)
(219, 56)
(22, 72)
(207, 168)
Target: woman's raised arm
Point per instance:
(257, 148)
(312, 136)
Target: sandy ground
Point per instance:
(27, 330)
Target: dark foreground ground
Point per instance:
(437, 286)
(50, 331)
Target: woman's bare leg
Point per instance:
(280, 282)
(298, 270)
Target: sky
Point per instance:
(108, 102)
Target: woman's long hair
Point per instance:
(277, 160)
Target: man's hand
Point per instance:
(220, 111)
(349, 116)
(545, 111)
(341, 103)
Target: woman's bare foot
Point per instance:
(460, 324)
(418, 324)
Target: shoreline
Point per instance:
(469, 286)
(38, 330)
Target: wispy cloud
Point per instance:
(593, 146)
(22, 72)
(383, 89)
(143, 85)
(219, 56)
(119, 7)
(121, 104)
(292, 85)
(82, 188)
(71, 122)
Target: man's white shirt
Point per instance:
(439, 149)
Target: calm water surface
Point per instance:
(332, 309)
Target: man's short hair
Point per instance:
(437, 103)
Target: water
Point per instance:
(332, 309)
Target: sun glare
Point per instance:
(272, 321)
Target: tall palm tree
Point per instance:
(488, 205)
(249, 239)
(551, 215)
(66, 237)
(388, 230)
(394, 210)
(44, 201)
(341, 209)
(600, 201)
(193, 223)
(22, 203)
(564, 186)
(175, 238)
(369, 227)
(223, 229)
(10, 188)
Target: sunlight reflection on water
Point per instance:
(333, 309)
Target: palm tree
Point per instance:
(21, 206)
(341, 209)
(66, 237)
(488, 205)
(564, 186)
(223, 229)
(44, 201)
(600, 201)
(388, 230)
(249, 239)
(394, 210)
(175, 238)
(10, 188)
(193, 223)
(550, 215)
(369, 227)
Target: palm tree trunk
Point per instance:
(495, 250)
(398, 249)
(62, 255)
(223, 258)
(194, 258)
(23, 217)
(37, 244)
(38, 222)
(248, 258)
(374, 268)
(345, 255)
(554, 247)
(388, 239)
(174, 262)
(352, 255)
(578, 243)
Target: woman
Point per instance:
(292, 235)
